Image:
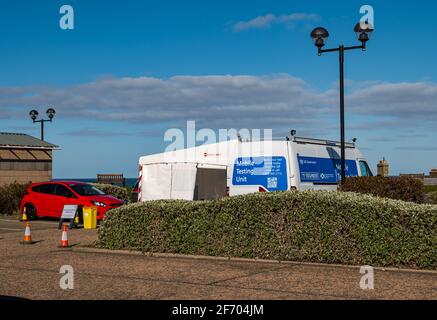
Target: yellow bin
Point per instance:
(89, 217)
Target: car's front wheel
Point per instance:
(31, 212)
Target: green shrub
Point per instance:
(430, 188)
(398, 188)
(431, 197)
(115, 191)
(311, 226)
(10, 197)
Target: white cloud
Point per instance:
(224, 101)
(417, 148)
(92, 132)
(266, 21)
(405, 99)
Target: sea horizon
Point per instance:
(130, 182)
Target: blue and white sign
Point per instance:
(267, 172)
(324, 170)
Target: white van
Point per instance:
(237, 167)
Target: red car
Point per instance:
(47, 199)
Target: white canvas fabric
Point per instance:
(183, 181)
(156, 182)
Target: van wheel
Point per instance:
(31, 212)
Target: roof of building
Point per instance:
(22, 140)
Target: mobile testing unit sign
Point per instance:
(267, 172)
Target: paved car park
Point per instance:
(33, 272)
(10, 224)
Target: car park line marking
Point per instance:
(36, 222)
(10, 229)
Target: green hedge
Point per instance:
(430, 188)
(398, 188)
(431, 197)
(116, 191)
(10, 197)
(312, 226)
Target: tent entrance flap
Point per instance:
(156, 182)
(210, 184)
(183, 181)
(168, 181)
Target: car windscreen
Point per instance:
(86, 190)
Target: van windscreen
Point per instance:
(365, 170)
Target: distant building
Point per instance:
(24, 158)
(383, 168)
(429, 180)
(413, 175)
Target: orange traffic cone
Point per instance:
(27, 238)
(64, 238)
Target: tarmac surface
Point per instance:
(33, 272)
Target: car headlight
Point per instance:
(98, 203)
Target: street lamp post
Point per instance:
(50, 113)
(319, 35)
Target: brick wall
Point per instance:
(25, 165)
(10, 176)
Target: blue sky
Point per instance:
(130, 70)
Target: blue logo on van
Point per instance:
(324, 170)
(267, 172)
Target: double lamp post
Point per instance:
(50, 114)
(319, 35)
